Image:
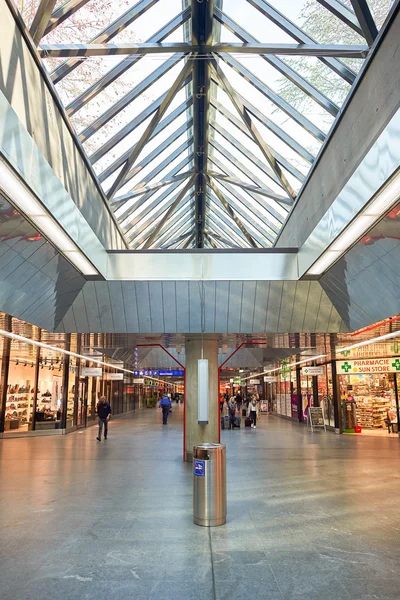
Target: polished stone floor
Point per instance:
(311, 516)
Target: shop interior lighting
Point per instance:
(381, 338)
(26, 203)
(20, 338)
(379, 206)
(299, 362)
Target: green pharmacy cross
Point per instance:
(346, 367)
(396, 364)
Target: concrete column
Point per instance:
(196, 433)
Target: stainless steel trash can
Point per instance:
(209, 484)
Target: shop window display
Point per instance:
(20, 395)
(48, 414)
(307, 397)
(325, 394)
(368, 400)
(71, 393)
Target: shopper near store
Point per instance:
(239, 401)
(232, 412)
(253, 410)
(104, 413)
(165, 405)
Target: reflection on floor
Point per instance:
(311, 516)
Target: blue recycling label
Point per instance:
(199, 468)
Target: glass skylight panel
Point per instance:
(291, 101)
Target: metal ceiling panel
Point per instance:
(287, 305)
(235, 305)
(169, 305)
(130, 305)
(261, 305)
(143, 305)
(274, 305)
(156, 306)
(118, 308)
(182, 306)
(92, 309)
(221, 305)
(104, 306)
(248, 303)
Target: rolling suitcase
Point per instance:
(225, 422)
(248, 422)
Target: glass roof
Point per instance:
(203, 119)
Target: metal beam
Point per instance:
(120, 201)
(141, 49)
(182, 226)
(266, 228)
(287, 108)
(138, 191)
(336, 50)
(138, 120)
(231, 212)
(41, 20)
(220, 238)
(169, 212)
(120, 180)
(258, 139)
(270, 125)
(63, 13)
(202, 32)
(146, 197)
(176, 240)
(129, 97)
(158, 203)
(281, 160)
(278, 64)
(227, 225)
(250, 188)
(213, 244)
(141, 233)
(190, 240)
(106, 34)
(343, 12)
(300, 36)
(98, 86)
(184, 211)
(146, 160)
(365, 19)
(86, 50)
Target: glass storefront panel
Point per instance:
(371, 399)
(307, 397)
(21, 391)
(49, 400)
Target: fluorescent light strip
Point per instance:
(378, 207)
(387, 336)
(20, 338)
(299, 362)
(26, 203)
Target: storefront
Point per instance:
(369, 395)
(46, 391)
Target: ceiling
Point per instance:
(202, 120)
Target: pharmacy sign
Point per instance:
(368, 365)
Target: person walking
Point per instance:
(165, 405)
(239, 401)
(232, 412)
(253, 409)
(104, 413)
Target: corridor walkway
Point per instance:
(311, 517)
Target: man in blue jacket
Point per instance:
(104, 412)
(165, 405)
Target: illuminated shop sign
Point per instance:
(368, 365)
